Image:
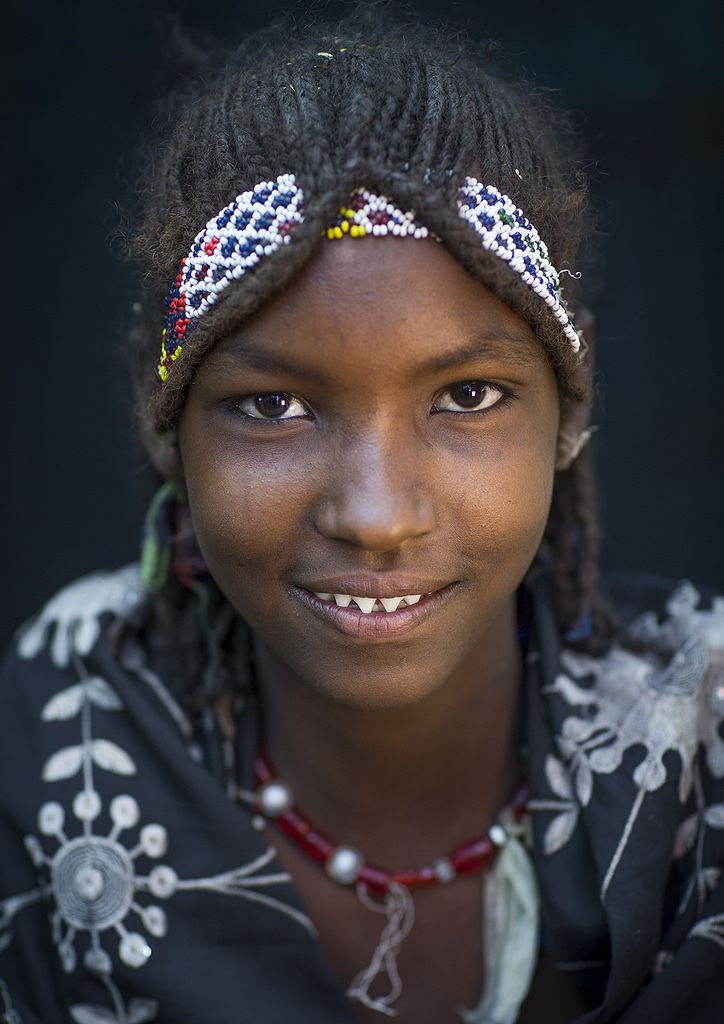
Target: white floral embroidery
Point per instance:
(75, 613)
(93, 879)
(562, 827)
(637, 701)
(710, 928)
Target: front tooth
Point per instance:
(342, 599)
(323, 597)
(390, 603)
(412, 598)
(365, 604)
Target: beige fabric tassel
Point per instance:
(511, 928)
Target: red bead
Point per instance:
(424, 878)
(296, 822)
(262, 769)
(287, 828)
(520, 803)
(316, 845)
(406, 878)
(375, 878)
(473, 855)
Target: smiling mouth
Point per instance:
(367, 605)
(367, 619)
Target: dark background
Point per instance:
(645, 84)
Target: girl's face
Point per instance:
(384, 427)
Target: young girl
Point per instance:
(360, 736)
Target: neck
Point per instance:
(444, 767)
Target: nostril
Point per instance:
(376, 525)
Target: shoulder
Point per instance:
(669, 655)
(658, 691)
(71, 621)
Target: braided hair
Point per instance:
(408, 110)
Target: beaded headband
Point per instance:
(260, 221)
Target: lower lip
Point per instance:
(377, 625)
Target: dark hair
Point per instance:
(406, 109)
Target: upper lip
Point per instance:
(369, 585)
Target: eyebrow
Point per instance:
(490, 343)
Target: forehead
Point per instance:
(375, 301)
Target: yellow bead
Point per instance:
(338, 232)
(330, 233)
(345, 226)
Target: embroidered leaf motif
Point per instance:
(710, 928)
(710, 877)
(63, 764)
(100, 693)
(584, 781)
(65, 704)
(68, 702)
(85, 1013)
(110, 756)
(560, 831)
(662, 960)
(686, 836)
(142, 1010)
(558, 778)
(714, 816)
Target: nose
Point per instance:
(374, 499)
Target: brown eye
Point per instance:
(274, 405)
(468, 396)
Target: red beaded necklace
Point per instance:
(274, 799)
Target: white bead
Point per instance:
(498, 835)
(274, 798)
(444, 871)
(344, 865)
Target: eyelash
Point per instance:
(506, 396)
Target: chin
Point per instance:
(389, 691)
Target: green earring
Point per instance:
(157, 545)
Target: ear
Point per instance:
(574, 431)
(164, 454)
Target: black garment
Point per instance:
(133, 889)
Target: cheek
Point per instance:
(509, 495)
(245, 509)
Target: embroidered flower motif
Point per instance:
(95, 883)
(75, 613)
(94, 879)
(624, 701)
(634, 701)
